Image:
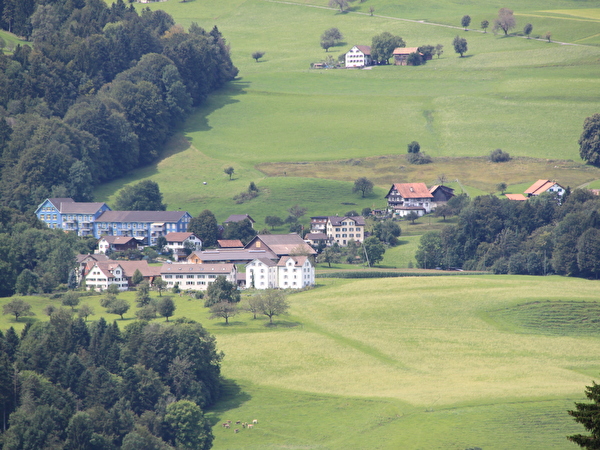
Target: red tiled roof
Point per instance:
(540, 186)
(230, 243)
(405, 50)
(364, 48)
(518, 197)
(411, 190)
(178, 236)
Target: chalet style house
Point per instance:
(107, 244)
(97, 219)
(441, 194)
(541, 186)
(358, 56)
(99, 275)
(404, 198)
(181, 243)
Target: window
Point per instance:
(167, 276)
(178, 276)
(190, 276)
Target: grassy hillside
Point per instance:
(526, 96)
(448, 363)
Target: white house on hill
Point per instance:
(358, 56)
(291, 272)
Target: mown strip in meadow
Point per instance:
(390, 274)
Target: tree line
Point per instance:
(96, 93)
(545, 234)
(68, 384)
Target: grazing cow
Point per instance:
(226, 425)
(250, 426)
(229, 421)
(237, 430)
(255, 421)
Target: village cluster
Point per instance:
(271, 261)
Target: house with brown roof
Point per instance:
(83, 261)
(107, 244)
(281, 244)
(404, 198)
(230, 243)
(102, 274)
(516, 197)
(229, 255)
(401, 55)
(441, 194)
(182, 243)
(358, 56)
(196, 277)
(235, 218)
(345, 229)
(541, 186)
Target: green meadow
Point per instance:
(526, 96)
(443, 362)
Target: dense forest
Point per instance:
(65, 384)
(543, 235)
(95, 93)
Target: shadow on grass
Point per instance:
(282, 324)
(230, 324)
(232, 397)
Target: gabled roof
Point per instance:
(141, 216)
(316, 237)
(411, 190)
(283, 244)
(178, 236)
(91, 257)
(335, 220)
(366, 49)
(58, 201)
(106, 267)
(434, 188)
(230, 243)
(118, 240)
(298, 260)
(405, 50)
(129, 268)
(232, 254)
(81, 207)
(540, 186)
(265, 261)
(238, 218)
(518, 197)
(222, 269)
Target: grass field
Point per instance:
(446, 363)
(527, 97)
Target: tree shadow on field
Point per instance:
(232, 397)
(282, 324)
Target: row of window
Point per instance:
(347, 235)
(189, 276)
(347, 229)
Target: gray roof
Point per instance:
(335, 220)
(57, 201)
(284, 244)
(141, 216)
(234, 255)
(239, 218)
(80, 207)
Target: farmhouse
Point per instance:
(235, 218)
(196, 276)
(182, 243)
(102, 274)
(107, 244)
(401, 55)
(358, 56)
(516, 197)
(281, 244)
(404, 198)
(541, 186)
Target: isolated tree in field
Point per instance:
(160, 285)
(223, 310)
(70, 299)
(501, 187)
(374, 249)
(460, 45)
(113, 288)
(221, 290)
(257, 55)
(118, 306)
(142, 196)
(465, 21)
(412, 216)
(166, 307)
(484, 25)
(330, 255)
(548, 36)
(414, 147)
(273, 303)
(229, 171)
(589, 141)
(18, 308)
(273, 221)
(499, 155)
(331, 38)
(383, 46)
(588, 414)
(142, 295)
(371, 10)
(363, 185)
(85, 311)
(505, 20)
(147, 312)
(439, 49)
(295, 212)
(342, 4)
(443, 211)
(527, 30)
(326, 44)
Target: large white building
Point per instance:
(290, 272)
(358, 56)
(196, 277)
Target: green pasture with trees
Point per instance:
(246, 124)
(359, 361)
